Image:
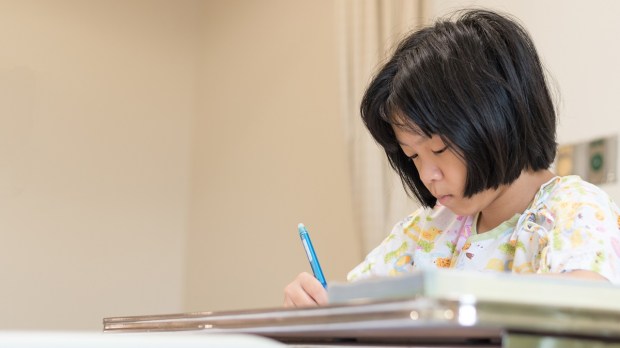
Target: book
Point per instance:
(451, 284)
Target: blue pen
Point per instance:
(314, 262)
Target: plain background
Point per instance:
(156, 156)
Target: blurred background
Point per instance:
(156, 156)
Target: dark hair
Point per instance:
(476, 82)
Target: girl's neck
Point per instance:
(512, 199)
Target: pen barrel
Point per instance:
(314, 261)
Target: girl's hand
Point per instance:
(305, 291)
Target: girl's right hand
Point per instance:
(305, 291)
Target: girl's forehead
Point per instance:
(408, 136)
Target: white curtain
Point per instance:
(369, 31)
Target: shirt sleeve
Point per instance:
(585, 235)
(392, 256)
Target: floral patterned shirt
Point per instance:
(570, 225)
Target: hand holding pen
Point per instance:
(307, 290)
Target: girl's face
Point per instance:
(442, 171)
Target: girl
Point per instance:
(465, 117)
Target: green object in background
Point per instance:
(596, 162)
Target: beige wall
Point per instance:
(156, 156)
(268, 153)
(96, 100)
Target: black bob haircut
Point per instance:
(477, 82)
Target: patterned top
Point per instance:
(570, 225)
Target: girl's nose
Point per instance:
(430, 173)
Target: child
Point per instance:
(464, 115)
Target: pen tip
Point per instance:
(300, 225)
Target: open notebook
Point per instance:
(493, 287)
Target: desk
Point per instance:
(415, 322)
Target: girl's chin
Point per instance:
(460, 210)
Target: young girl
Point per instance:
(464, 115)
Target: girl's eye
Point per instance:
(412, 157)
(440, 151)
